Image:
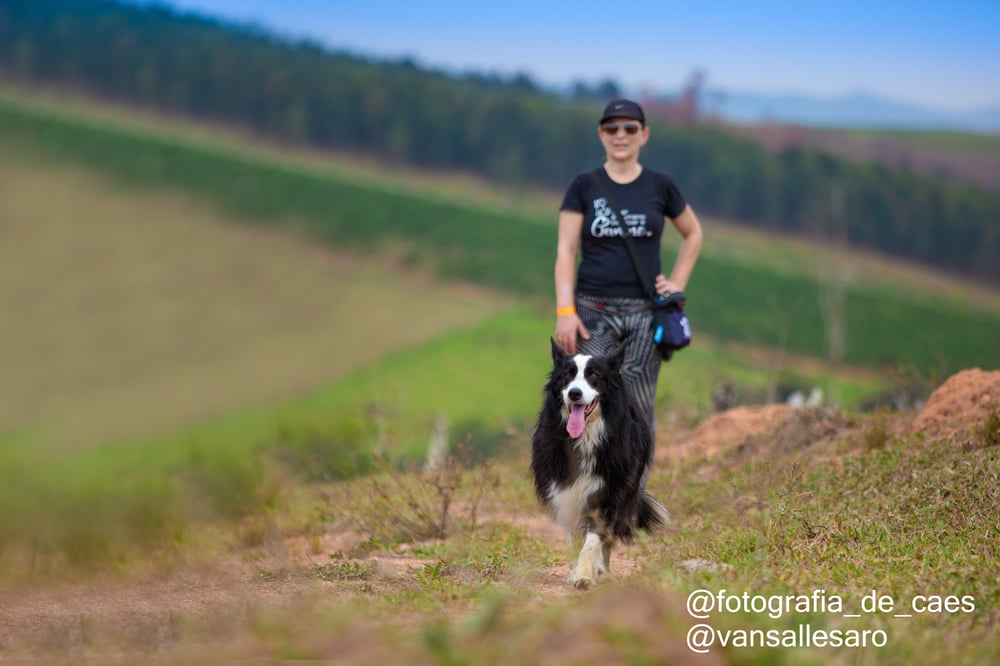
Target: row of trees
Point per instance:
(505, 128)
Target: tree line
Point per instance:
(505, 128)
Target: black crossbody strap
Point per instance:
(626, 235)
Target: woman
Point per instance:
(602, 304)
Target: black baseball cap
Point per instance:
(623, 108)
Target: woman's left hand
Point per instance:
(665, 287)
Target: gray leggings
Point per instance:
(615, 325)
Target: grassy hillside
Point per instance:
(511, 252)
(177, 284)
(181, 318)
(142, 311)
(139, 313)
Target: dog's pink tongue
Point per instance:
(575, 424)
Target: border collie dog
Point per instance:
(590, 453)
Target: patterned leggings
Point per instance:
(616, 325)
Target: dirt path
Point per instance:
(144, 614)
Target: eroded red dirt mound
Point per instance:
(960, 405)
(728, 428)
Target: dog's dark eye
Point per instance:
(590, 374)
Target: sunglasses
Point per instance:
(611, 129)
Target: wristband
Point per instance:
(565, 311)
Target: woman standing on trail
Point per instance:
(600, 305)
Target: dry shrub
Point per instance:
(397, 506)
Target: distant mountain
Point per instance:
(858, 110)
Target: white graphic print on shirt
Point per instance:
(605, 226)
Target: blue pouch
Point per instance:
(671, 328)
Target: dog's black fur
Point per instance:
(593, 482)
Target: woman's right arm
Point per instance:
(568, 324)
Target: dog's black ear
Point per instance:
(616, 358)
(557, 352)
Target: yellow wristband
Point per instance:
(565, 311)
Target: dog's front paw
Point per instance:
(589, 568)
(585, 581)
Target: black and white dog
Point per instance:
(591, 450)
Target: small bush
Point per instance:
(989, 431)
(876, 434)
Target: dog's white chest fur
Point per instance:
(589, 441)
(569, 502)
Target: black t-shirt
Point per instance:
(605, 268)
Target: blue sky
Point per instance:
(943, 55)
